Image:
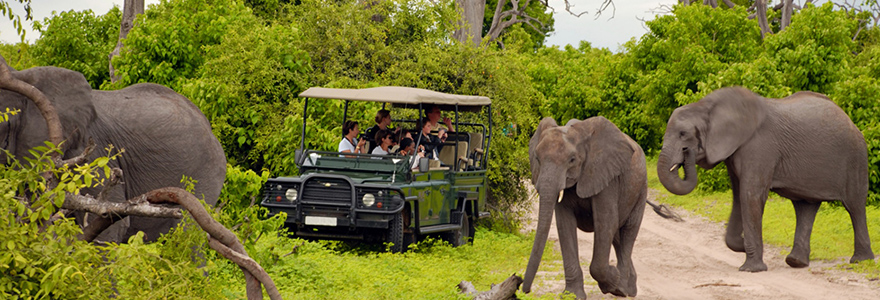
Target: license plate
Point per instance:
(320, 221)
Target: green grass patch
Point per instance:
(431, 269)
(832, 237)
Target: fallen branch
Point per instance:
(506, 290)
(253, 276)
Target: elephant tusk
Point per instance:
(560, 198)
(674, 167)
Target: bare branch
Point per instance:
(729, 3)
(40, 100)
(247, 264)
(137, 206)
(218, 232)
(82, 157)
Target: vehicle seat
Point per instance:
(447, 154)
(475, 149)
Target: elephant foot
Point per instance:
(857, 257)
(753, 266)
(796, 262)
(578, 294)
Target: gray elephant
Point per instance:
(600, 172)
(164, 136)
(802, 147)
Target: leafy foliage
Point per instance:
(80, 41)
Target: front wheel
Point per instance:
(395, 235)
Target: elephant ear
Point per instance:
(545, 124)
(733, 118)
(608, 154)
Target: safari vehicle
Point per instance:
(381, 198)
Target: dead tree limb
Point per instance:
(506, 290)
(216, 231)
(130, 10)
(7, 82)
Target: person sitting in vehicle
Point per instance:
(408, 147)
(383, 120)
(349, 142)
(431, 143)
(434, 115)
(384, 139)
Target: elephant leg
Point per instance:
(800, 251)
(855, 205)
(566, 226)
(753, 196)
(733, 237)
(623, 247)
(606, 225)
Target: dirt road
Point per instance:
(689, 260)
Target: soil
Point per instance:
(689, 260)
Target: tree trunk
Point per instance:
(761, 10)
(472, 12)
(786, 14)
(130, 10)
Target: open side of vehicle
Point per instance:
(381, 198)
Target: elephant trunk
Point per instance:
(545, 214)
(667, 171)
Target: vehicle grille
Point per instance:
(322, 189)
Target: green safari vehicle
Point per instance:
(382, 198)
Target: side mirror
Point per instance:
(297, 156)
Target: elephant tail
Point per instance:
(665, 212)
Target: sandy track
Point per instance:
(689, 260)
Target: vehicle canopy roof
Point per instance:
(401, 96)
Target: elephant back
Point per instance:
(165, 137)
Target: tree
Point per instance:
(130, 11)
(6, 10)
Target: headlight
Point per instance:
(368, 200)
(291, 194)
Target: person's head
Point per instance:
(407, 146)
(383, 117)
(433, 113)
(350, 128)
(384, 138)
(426, 126)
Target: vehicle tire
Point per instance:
(395, 234)
(463, 235)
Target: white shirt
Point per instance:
(346, 144)
(379, 151)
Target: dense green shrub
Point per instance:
(165, 47)
(80, 41)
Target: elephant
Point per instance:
(164, 137)
(802, 147)
(594, 177)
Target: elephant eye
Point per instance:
(681, 133)
(571, 160)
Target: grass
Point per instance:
(431, 269)
(832, 237)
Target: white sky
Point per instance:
(602, 32)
